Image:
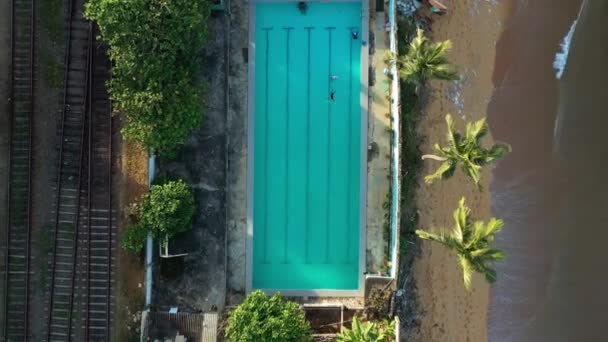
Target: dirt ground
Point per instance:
(198, 280)
(447, 311)
(132, 183)
(236, 189)
(4, 122)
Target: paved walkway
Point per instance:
(379, 144)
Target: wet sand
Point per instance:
(447, 311)
(551, 189)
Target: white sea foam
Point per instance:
(559, 64)
(561, 57)
(454, 91)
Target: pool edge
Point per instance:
(364, 103)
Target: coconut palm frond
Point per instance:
(477, 235)
(486, 255)
(461, 216)
(491, 228)
(444, 74)
(472, 242)
(497, 151)
(367, 331)
(473, 171)
(466, 150)
(417, 42)
(443, 238)
(426, 60)
(475, 131)
(467, 272)
(390, 58)
(436, 52)
(452, 134)
(490, 275)
(445, 170)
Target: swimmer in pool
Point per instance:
(332, 95)
(355, 35)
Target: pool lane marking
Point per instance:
(306, 181)
(285, 228)
(328, 171)
(349, 123)
(265, 243)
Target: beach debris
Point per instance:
(437, 7)
(408, 7)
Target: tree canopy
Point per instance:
(269, 319)
(166, 210)
(154, 45)
(465, 150)
(472, 242)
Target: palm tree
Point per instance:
(368, 332)
(472, 242)
(465, 150)
(426, 60)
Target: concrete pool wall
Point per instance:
(377, 168)
(320, 290)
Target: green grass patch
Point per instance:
(52, 69)
(18, 211)
(411, 162)
(52, 19)
(68, 227)
(44, 245)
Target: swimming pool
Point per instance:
(306, 180)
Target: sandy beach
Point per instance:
(447, 311)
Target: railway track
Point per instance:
(68, 192)
(100, 227)
(80, 300)
(18, 230)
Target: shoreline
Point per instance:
(447, 312)
(537, 189)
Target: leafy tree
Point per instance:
(472, 242)
(166, 210)
(154, 46)
(426, 60)
(268, 319)
(368, 332)
(465, 150)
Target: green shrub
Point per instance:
(368, 332)
(268, 319)
(134, 238)
(166, 210)
(154, 47)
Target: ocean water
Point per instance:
(307, 146)
(551, 105)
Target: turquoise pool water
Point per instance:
(307, 167)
